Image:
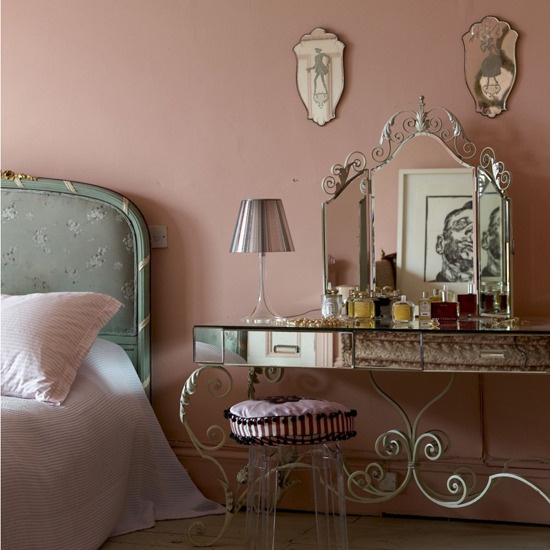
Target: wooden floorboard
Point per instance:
(296, 531)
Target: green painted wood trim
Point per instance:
(138, 347)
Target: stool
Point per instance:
(276, 428)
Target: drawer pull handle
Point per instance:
(282, 348)
(493, 354)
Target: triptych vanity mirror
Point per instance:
(427, 201)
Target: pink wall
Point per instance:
(189, 106)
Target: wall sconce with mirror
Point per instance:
(320, 74)
(425, 198)
(490, 64)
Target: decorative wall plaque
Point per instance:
(320, 73)
(490, 64)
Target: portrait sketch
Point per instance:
(449, 245)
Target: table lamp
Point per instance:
(262, 227)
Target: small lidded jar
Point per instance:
(331, 303)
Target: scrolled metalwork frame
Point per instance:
(438, 122)
(409, 444)
(398, 130)
(415, 446)
(219, 387)
(401, 127)
(496, 170)
(233, 498)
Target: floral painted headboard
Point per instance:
(69, 236)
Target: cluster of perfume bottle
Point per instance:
(494, 298)
(443, 305)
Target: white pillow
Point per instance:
(44, 339)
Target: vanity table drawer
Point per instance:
(486, 352)
(291, 349)
(387, 350)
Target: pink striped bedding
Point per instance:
(96, 466)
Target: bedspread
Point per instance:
(97, 466)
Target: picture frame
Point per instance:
(436, 230)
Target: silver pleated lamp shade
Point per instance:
(262, 227)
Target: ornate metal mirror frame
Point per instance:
(354, 179)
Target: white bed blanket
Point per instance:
(97, 466)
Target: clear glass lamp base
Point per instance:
(263, 314)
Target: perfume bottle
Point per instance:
(350, 303)
(487, 298)
(436, 295)
(402, 311)
(384, 302)
(424, 307)
(363, 306)
(503, 302)
(375, 297)
(467, 303)
(444, 311)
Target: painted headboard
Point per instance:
(70, 236)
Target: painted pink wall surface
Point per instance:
(189, 106)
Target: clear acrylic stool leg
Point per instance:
(330, 500)
(261, 503)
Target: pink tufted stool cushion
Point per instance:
(290, 420)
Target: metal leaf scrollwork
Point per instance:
(273, 374)
(355, 164)
(404, 125)
(234, 500)
(496, 170)
(391, 444)
(463, 486)
(215, 386)
(398, 130)
(463, 489)
(434, 444)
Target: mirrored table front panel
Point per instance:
(472, 345)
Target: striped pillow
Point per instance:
(44, 339)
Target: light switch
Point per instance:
(159, 238)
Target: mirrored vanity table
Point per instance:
(405, 203)
(480, 345)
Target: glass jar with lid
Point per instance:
(331, 303)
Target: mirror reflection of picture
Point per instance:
(490, 237)
(436, 230)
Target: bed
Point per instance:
(83, 456)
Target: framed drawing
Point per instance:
(436, 230)
(320, 73)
